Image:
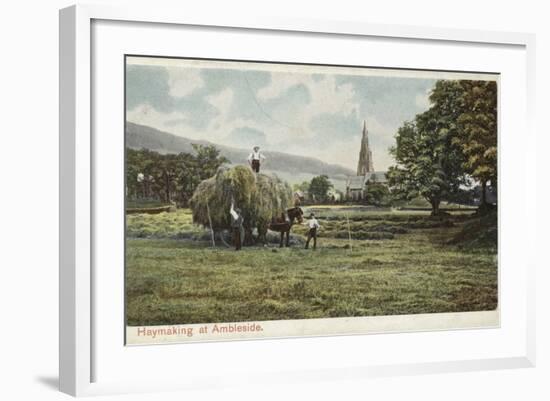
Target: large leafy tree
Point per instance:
(419, 168)
(208, 160)
(319, 187)
(429, 161)
(478, 132)
(451, 142)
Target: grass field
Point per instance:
(396, 263)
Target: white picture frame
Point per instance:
(79, 341)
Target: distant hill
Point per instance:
(141, 136)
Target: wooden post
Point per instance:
(210, 222)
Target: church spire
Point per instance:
(365, 164)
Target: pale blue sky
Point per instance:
(310, 111)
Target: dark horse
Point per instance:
(284, 224)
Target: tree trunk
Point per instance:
(435, 207)
(483, 205)
(483, 194)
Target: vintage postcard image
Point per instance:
(272, 200)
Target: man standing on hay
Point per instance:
(255, 158)
(313, 225)
(236, 226)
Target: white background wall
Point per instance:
(29, 186)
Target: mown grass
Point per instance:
(416, 271)
(178, 225)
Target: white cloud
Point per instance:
(147, 115)
(284, 132)
(326, 98)
(280, 83)
(221, 101)
(183, 81)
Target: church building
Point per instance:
(357, 186)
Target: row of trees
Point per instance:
(442, 150)
(169, 177)
(321, 190)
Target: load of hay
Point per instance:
(259, 197)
